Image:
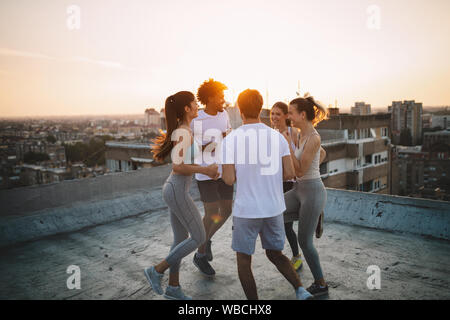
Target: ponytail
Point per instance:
(315, 111)
(174, 112)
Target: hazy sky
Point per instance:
(130, 55)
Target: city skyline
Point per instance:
(124, 59)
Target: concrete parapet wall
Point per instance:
(29, 200)
(74, 205)
(393, 213)
(34, 212)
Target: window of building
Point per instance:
(351, 134)
(377, 159)
(369, 158)
(367, 186)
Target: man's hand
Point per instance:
(212, 145)
(212, 171)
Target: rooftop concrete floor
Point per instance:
(112, 258)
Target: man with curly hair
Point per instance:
(217, 197)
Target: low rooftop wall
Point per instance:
(34, 212)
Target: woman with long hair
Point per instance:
(185, 218)
(280, 122)
(308, 197)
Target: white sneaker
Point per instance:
(303, 294)
(154, 278)
(175, 293)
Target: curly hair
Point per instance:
(209, 89)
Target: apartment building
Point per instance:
(361, 109)
(357, 152)
(406, 116)
(126, 156)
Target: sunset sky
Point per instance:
(130, 55)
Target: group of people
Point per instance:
(245, 157)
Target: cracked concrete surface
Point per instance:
(112, 258)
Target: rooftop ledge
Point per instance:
(33, 212)
(113, 226)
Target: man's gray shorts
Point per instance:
(245, 232)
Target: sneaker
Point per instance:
(297, 262)
(175, 293)
(203, 265)
(303, 294)
(208, 250)
(154, 278)
(317, 290)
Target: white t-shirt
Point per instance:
(203, 128)
(256, 151)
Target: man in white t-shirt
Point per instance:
(209, 128)
(257, 158)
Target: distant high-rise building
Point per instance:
(423, 172)
(406, 117)
(437, 141)
(442, 121)
(361, 109)
(333, 111)
(162, 119)
(152, 120)
(427, 120)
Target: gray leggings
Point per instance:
(184, 217)
(308, 198)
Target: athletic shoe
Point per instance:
(208, 251)
(319, 228)
(154, 278)
(303, 294)
(175, 293)
(203, 265)
(297, 262)
(317, 290)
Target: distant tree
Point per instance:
(34, 157)
(150, 135)
(91, 154)
(51, 138)
(75, 152)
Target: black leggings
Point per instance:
(288, 227)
